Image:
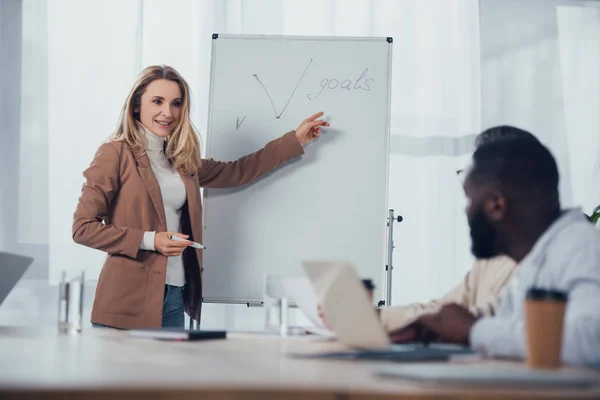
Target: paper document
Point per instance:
(302, 293)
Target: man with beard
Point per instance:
(480, 290)
(514, 209)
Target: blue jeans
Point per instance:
(173, 309)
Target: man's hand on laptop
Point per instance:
(322, 316)
(452, 324)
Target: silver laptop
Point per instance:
(12, 268)
(346, 304)
(349, 312)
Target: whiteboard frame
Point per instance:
(387, 242)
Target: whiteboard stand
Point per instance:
(390, 251)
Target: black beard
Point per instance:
(483, 236)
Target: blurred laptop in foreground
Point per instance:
(12, 268)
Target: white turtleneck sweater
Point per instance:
(174, 197)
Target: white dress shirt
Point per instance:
(568, 258)
(174, 197)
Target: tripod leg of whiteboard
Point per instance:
(388, 292)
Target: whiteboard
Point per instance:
(329, 204)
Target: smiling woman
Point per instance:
(157, 103)
(166, 110)
(143, 187)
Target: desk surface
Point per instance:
(100, 363)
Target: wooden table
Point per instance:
(106, 364)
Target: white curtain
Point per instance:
(540, 63)
(435, 107)
(579, 49)
(459, 66)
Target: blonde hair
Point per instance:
(183, 147)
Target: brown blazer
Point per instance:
(121, 199)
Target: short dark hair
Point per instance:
(502, 132)
(523, 166)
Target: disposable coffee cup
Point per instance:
(544, 320)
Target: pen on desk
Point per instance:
(194, 244)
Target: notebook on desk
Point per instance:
(348, 311)
(176, 334)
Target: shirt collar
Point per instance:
(155, 143)
(567, 218)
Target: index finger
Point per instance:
(314, 116)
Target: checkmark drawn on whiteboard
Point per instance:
(239, 123)
(278, 115)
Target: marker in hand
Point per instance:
(194, 244)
